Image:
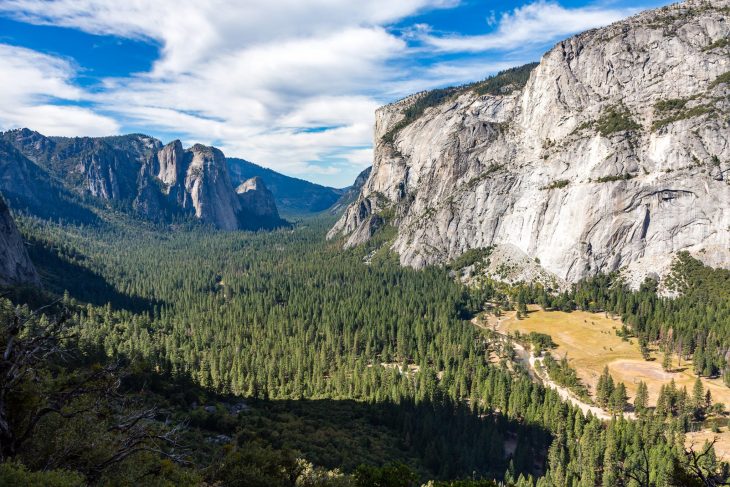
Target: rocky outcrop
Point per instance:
(292, 195)
(257, 199)
(102, 167)
(211, 194)
(614, 153)
(28, 187)
(350, 194)
(15, 265)
(258, 205)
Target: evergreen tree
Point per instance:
(667, 361)
(617, 401)
(698, 399)
(641, 401)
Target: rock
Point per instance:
(615, 151)
(258, 206)
(170, 164)
(352, 192)
(102, 167)
(209, 187)
(292, 195)
(257, 200)
(27, 186)
(15, 265)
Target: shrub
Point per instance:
(722, 79)
(616, 119)
(617, 177)
(17, 474)
(560, 183)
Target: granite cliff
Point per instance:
(612, 153)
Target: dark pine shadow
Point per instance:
(438, 440)
(60, 273)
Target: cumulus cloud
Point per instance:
(291, 84)
(38, 92)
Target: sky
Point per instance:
(289, 84)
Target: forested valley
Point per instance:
(191, 356)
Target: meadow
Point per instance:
(591, 343)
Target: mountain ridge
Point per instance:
(135, 173)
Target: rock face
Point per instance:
(15, 265)
(615, 152)
(29, 187)
(134, 172)
(258, 204)
(209, 187)
(350, 194)
(257, 199)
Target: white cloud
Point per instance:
(33, 84)
(360, 158)
(534, 23)
(190, 30)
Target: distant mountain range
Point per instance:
(64, 177)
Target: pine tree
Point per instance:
(667, 361)
(698, 398)
(698, 361)
(641, 401)
(618, 399)
(605, 388)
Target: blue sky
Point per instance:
(289, 84)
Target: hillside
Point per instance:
(526, 289)
(611, 154)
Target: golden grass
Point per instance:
(722, 445)
(591, 343)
